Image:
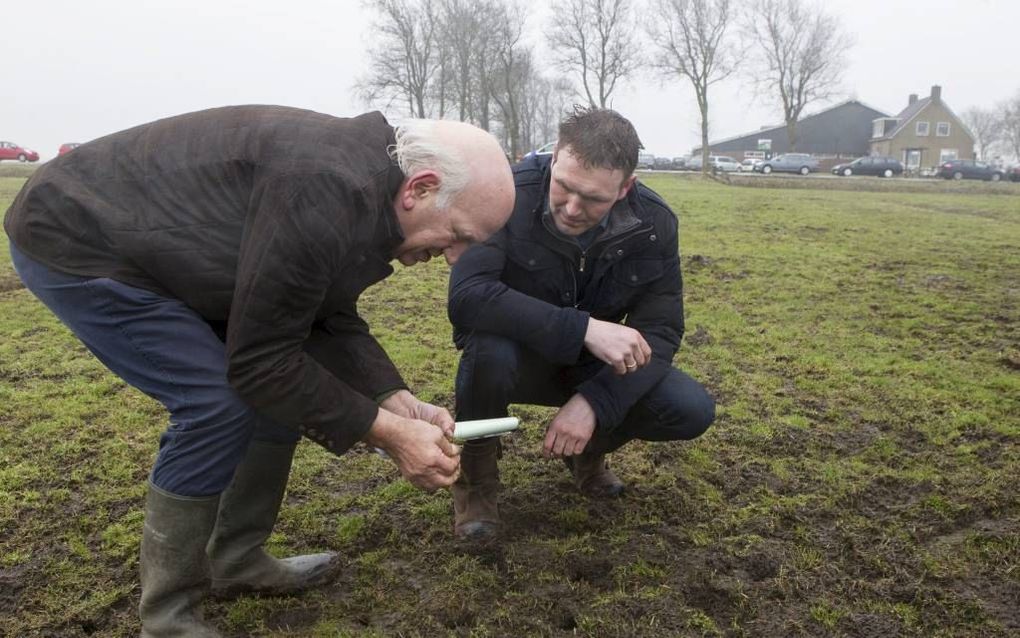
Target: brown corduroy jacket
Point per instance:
(270, 219)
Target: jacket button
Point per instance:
(619, 252)
(531, 262)
(652, 237)
(633, 277)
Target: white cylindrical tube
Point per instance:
(481, 428)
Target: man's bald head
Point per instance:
(459, 152)
(458, 188)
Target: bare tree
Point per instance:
(594, 40)
(550, 100)
(692, 42)
(506, 78)
(1011, 124)
(402, 65)
(986, 125)
(462, 35)
(799, 54)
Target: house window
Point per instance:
(942, 129)
(922, 129)
(877, 128)
(947, 154)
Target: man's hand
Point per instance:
(570, 430)
(621, 347)
(405, 404)
(420, 449)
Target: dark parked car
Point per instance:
(11, 151)
(880, 166)
(662, 164)
(969, 169)
(679, 163)
(789, 163)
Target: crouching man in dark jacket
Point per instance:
(577, 302)
(214, 261)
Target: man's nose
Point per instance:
(573, 206)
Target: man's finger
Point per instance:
(448, 448)
(446, 464)
(559, 445)
(547, 444)
(640, 357)
(444, 419)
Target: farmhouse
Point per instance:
(924, 134)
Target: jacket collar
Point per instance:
(388, 233)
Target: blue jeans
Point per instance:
(165, 349)
(495, 372)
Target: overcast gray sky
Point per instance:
(73, 70)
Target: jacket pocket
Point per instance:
(638, 272)
(537, 272)
(624, 285)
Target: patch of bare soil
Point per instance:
(12, 583)
(10, 281)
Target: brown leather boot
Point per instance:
(476, 512)
(592, 475)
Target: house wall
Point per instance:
(930, 145)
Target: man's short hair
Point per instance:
(600, 138)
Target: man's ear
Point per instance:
(626, 186)
(418, 187)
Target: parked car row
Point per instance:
(12, 151)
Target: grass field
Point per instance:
(861, 478)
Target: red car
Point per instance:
(67, 148)
(11, 151)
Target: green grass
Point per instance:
(860, 480)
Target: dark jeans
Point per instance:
(166, 350)
(495, 372)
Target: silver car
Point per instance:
(789, 163)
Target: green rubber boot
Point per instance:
(247, 514)
(174, 567)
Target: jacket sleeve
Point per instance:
(291, 249)
(480, 301)
(343, 345)
(659, 316)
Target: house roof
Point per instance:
(913, 110)
(782, 127)
(906, 115)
